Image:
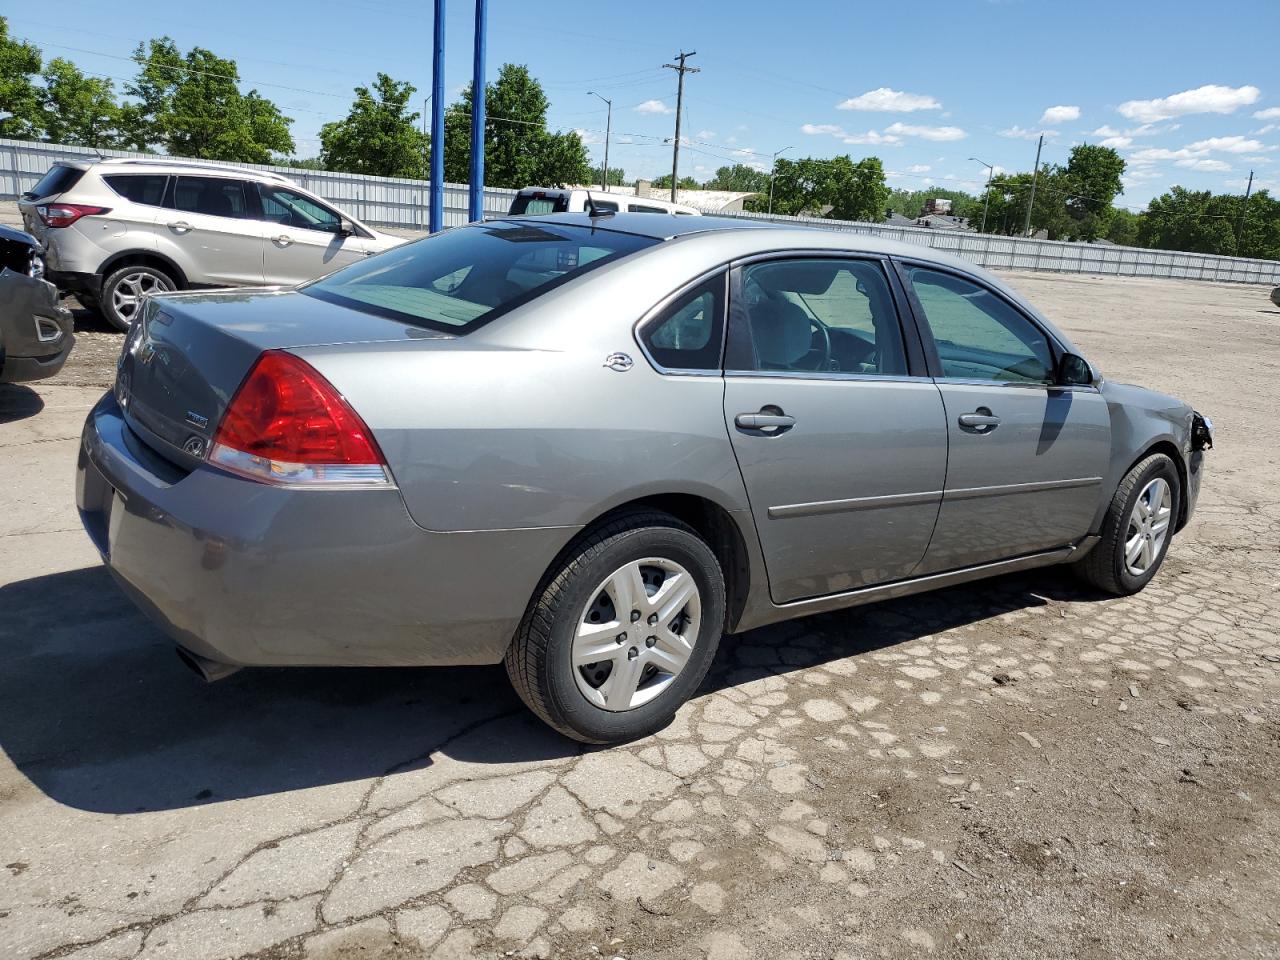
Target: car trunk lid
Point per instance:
(188, 353)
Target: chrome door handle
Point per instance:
(181, 226)
(980, 421)
(283, 240)
(772, 422)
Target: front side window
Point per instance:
(211, 196)
(291, 209)
(687, 334)
(461, 278)
(978, 335)
(823, 315)
(147, 189)
(535, 203)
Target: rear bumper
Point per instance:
(70, 282)
(35, 329)
(247, 574)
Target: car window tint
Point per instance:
(146, 189)
(824, 315)
(978, 334)
(59, 179)
(529, 204)
(211, 196)
(688, 333)
(641, 208)
(291, 209)
(604, 206)
(461, 278)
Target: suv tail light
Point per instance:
(287, 424)
(65, 214)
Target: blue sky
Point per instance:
(1188, 92)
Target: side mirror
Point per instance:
(1074, 371)
(346, 228)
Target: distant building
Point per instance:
(936, 205)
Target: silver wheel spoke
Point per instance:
(620, 689)
(626, 588)
(672, 596)
(1132, 548)
(1148, 555)
(671, 652)
(1148, 526)
(593, 650)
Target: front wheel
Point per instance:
(623, 632)
(1136, 530)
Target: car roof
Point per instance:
(164, 165)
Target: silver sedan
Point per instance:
(589, 446)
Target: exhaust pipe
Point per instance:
(208, 670)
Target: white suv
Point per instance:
(116, 230)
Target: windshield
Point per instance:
(462, 278)
(59, 179)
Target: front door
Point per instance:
(842, 452)
(209, 226)
(304, 239)
(1027, 457)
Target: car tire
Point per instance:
(1111, 565)
(588, 701)
(124, 288)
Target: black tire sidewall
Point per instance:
(106, 302)
(563, 695)
(1162, 467)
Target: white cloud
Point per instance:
(873, 138)
(919, 168)
(884, 100)
(1210, 165)
(1271, 113)
(653, 106)
(1225, 145)
(1117, 143)
(589, 137)
(706, 134)
(814, 129)
(1263, 131)
(1211, 98)
(1153, 154)
(1145, 130)
(1061, 114)
(1021, 133)
(925, 133)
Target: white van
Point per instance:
(575, 200)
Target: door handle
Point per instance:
(767, 421)
(181, 226)
(981, 420)
(283, 240)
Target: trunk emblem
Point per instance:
(619, 362)
(196, 420)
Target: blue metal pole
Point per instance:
(475, 196)
(437, 124)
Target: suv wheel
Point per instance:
(624, 631)
(124, 289)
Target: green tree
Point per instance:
(519, 151)
(837, 188)
(1093, 180)
(664, 183)
(378, 135)
(192, 107)
(19, 95)
(1201, 222)
(739, 178)
(1124, 227)
(78, 109)
(910, 203)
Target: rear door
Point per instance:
(304, 238)
(209, 230)
(839, 433)
(1027, 457)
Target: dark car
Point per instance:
(35, 329)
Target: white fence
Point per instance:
(403, 203)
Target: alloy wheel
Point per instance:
(1148, 526)
(636, 634)
(128, 293)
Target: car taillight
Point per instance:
(65, 214)
(287, 424)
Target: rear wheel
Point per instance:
(124, 289)
(1137, 529)
(623, 632)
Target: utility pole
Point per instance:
(675, 144)
(436, 206)
(475, 182)
(1243, 210)
(1035, 172)
(608, 125)
(773, 173)
(986, 199)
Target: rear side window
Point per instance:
(212, 196)
(641, 208)
(146, 189)
(59, 179)
(539, 203)
(687, 334)
(462, 278)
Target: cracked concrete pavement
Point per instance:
(1008, 769)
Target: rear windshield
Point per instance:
(465, 277)
(59, 179)
(532, 203)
